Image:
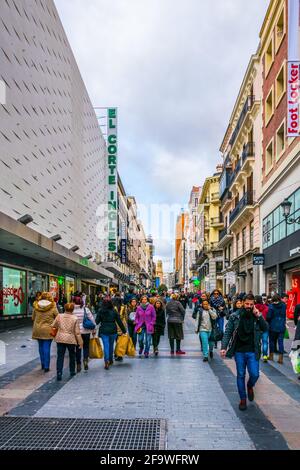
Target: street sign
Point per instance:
(258, 260)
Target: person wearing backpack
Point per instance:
(87, 326)
(206, 319)
(276, 317)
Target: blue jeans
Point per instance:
(44, 350)
(206, 344)
(243, 361)
(220, 322)
(274, 337)
(108, 346)
(265, 343)
(144, 340)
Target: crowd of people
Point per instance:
(249, 328)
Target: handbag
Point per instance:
(53, 332)
(95, 349)
(87, 323)
(216, 334)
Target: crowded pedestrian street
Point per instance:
(197, 401)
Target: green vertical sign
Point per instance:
(112, 165)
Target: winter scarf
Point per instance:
(218, 302)
(144, 306)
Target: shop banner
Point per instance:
(112, 167)
(293, 79)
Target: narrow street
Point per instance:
(198, 401)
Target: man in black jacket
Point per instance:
(296, 314)
(242, 339)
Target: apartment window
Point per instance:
(237, 244)
(280, 141)
(269, 157)
(251, 235)
(269, 56)
(269, 106)
(244, 240)
(280, 85)
(280, 29)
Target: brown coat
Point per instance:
(43, 315)
(68, 329)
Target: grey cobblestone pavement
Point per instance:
(184, 390)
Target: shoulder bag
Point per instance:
(87, 323)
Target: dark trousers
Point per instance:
(172, 344)
(155, 340)
(61, 349)
(44, 350)
(86, 344)
(132, 333)
(273, 338)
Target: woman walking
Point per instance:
(206, 319)
(68, 337)
(175, 317)
(263, 309)
(81, 313)
(122, 311)
(131, 311)
(218, 304)
(276, 317)
(144, 325)
(160, 324)
(44, 313)
(108, 318)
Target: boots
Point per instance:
(85, 364)
(271, 357)
(106, 366)
(280, 359)
(78, 368)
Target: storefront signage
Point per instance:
(295, 251)
(258, 260)
(112, 166)
(16, 294)
(293, 80)
(123, 251)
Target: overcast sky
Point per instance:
(174, 69)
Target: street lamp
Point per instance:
(286, 207)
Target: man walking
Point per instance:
(242, 339)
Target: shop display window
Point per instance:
(13, 295)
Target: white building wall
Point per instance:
(52, 153)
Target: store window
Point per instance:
(36, 283)
(13, 296)
(271, 282)
(274, 226)
(54, 288)
(69, 288)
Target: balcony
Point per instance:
(214, 246)
(215, 198)
(224, 237)
(247, 107)
(227, 198)
(216, 222)
(246, 201)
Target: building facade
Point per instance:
(280, 163)
(192, 234)
(181, 251)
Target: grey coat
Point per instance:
(175, 312)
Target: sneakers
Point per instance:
(106, 366)
(280, 359)
(250, 393)
(205, 359)
(146, 355)
(110, 363)
(271, 357)
(211, 354)
(243, 405)
(265, 358)
(180, 353)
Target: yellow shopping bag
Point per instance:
(95, 349)
(130, 348)
(121, 346)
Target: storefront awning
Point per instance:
(46, 254)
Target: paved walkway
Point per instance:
(198, 400)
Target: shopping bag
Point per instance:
(295, 358)
(130, 348)
(121, 346)
(95, 349)
(286, 334)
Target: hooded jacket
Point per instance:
(263, 308)
(276, 317)
(43, 315)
